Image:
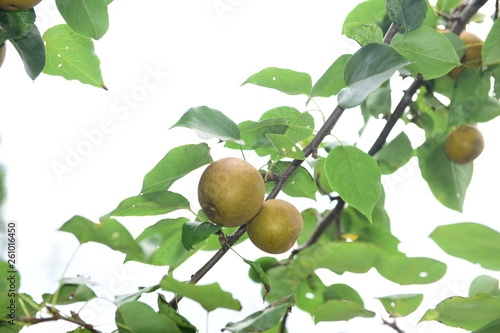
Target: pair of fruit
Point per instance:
(231, 193)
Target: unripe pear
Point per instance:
(464, 144)
(231, 192)
(276, 227)
(12, 5)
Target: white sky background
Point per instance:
(198, 57)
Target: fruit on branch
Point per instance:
(276, 227)
(265, 263)
(231, 192)
(12, 5)
(3, 51)
(464, 144)
(472, 56)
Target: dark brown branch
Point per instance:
(393, 325)
(398, 112)
(495, 15)
(470, 10)
(332, 216)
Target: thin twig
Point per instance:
(393, 326)
(56, 315)
(283, 321)
(495, 15)
(396, 115)
(332, 216)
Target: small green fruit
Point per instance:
(231, 192)
(276, 227)
(464, 144)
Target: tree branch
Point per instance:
(470, 9)
(56, 315)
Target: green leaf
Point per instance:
(492, 327)
(27, 308)
(330, 83)
(264, 319)
(447, 180)
(108, 232)
(473, 242)
(285, 80)
(404, 270)
(72, 56)
(254, 134)
(69, 294)
(285, 147)
(210, 297)
(491, 48)
(167, 310)
(10, 276)
(378, 103)
(367, 12)
(407, 15)
(431, 54)
(336, 310)
(356, 257)
(137, 317)
(152, 203)
(394, 154)
(300, 184)
(86, 17)
(196, 232)
(132, 297)
(170, 251)
(355, 176)
(401, 305)
(366, 70)
(300, 124)
(447, 5)
(342, 292)
(259, 273)
(364, 33)
(16, 24)
(469, 313)
(486, 284)
(32, 51)
(210, 123)
(433, 114)
(177, 163)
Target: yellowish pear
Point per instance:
(276, 227)
(231, 192)
(464, 144)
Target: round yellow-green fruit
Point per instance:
(12, 5)
(265, 263)
(231, 192)
(464, 144)
(3, 51)
(472, 55)
(276, 227)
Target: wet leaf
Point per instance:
(285, 80)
